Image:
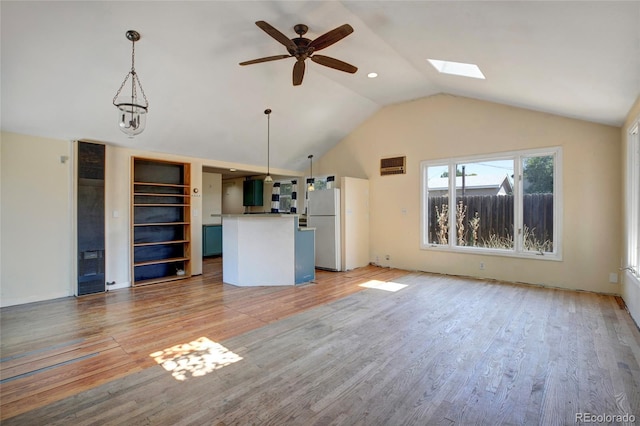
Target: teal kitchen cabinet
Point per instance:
(211, 240)
(305, 255)
(252, 193)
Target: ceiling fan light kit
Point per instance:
(302, 48)
(132, 114)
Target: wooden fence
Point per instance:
(495, 213)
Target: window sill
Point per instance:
(557, 257)
(632, 278)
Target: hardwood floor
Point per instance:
(442, 350)
(55, 349)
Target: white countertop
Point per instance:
(261, 215)
(268, 215)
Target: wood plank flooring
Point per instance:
(442, 350)
(55, 349)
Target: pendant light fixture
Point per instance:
(132, 114)
(310, 182)
(268, 179)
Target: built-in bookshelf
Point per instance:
(161, 221)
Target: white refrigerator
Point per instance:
(323, 213)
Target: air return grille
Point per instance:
(393, 166)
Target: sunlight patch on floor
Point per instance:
(383, 285)
(195, 359)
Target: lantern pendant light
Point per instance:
(132, 114)
(310, 186)
(268, 179)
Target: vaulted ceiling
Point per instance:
(63, 61)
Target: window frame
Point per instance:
(281, 196)
(518, 191)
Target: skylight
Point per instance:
(457, 68)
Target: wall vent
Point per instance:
(393, 166)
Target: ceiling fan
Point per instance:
(302, 48)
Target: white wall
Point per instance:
(36, 229)
(117, 217)
(232, 196)
(630, 285)
(445, 126)
(36, 197)
(354, 222)
(211, 198)
(117, 199)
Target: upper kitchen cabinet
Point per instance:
(252, 193)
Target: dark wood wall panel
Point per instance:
(91, 218)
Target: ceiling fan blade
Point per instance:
(331, 37)
(267, 59)
(334, 63)
(298, 72)
(281, 38)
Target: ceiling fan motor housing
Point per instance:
(302, 47)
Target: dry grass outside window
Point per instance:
(443, 224)
(461, 212)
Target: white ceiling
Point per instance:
(62, 63)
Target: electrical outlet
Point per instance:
(482, 266)
(613, 277)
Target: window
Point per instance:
(633, 201)
(284, 196)
(504, 204)
(320, 183)
(286, 188)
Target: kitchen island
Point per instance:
(266, 250)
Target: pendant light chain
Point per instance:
(133, 72)
(120, 89)
(133, 57)
(134, 79)
(135, 75)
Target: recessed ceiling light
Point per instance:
(457, 68)
(232, 170)
(372, 75)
